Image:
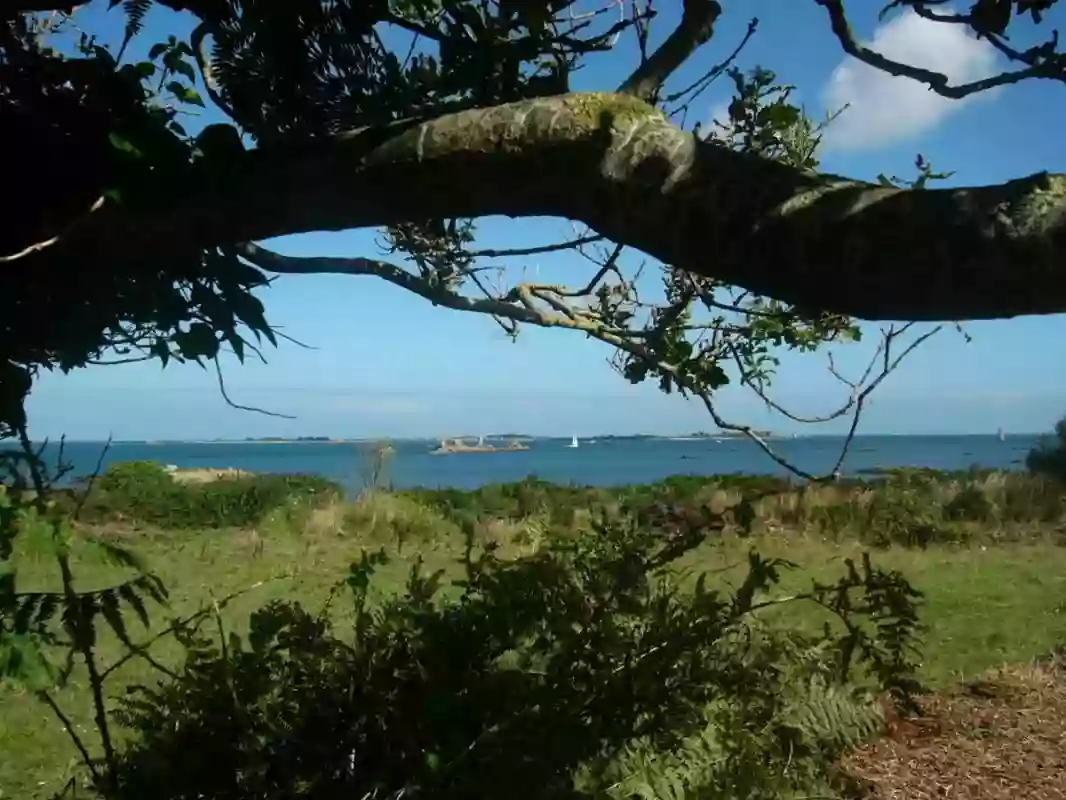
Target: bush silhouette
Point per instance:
(1049, 457)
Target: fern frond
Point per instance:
(834, 718)
(136, 11)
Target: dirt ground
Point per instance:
(1003, 736)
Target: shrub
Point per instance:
(971, 503)
(1049, 457)
(554, 676)
(145, 492)
(900, 507)
(135, 477)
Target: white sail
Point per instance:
(573, 442)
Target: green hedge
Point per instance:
(144, 491)
(1049, 457)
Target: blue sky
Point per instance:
(388, 364)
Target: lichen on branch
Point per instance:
(621, 167)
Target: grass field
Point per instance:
(994, 596)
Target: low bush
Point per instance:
(581, 672)
(906, 507)
(144, 492)
(1049, 457)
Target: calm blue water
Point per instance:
(604, 462)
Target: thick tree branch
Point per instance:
(695, 30)
(820, 242)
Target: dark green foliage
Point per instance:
(544, 676)
(969, 503)
(144, 492)
(135, 477)
(1049, 458)
(899, 507)
(108, 134)
(532, 495)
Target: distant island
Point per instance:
(273, 439)
(448, 446)
(460, 444)
(725, 435)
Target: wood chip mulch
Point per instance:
(1003, 736)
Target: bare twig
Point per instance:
(44, 245)
(890, 365)
(93, 477)
(72, 732)
(533, 251)
(547, 306)
(138, 650)
(80, 627)
(694, 90)
(936, 81)
(238, 406)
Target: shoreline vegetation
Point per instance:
(955, 584)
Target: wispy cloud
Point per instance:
(884, 109)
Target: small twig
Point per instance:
(139, 649)
(80, 626)
(538, 250)
(936, 81)
(282, 335)
(65, 721)
(39, 246)
(238, 406)
(705, 81)
(889, 366)
(84, 495)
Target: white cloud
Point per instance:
(885, 109)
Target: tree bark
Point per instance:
(617, 164)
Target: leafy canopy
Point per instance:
(89, 130)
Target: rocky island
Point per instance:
(448, 446)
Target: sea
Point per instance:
(595, 462)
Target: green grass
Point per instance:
(985, 605)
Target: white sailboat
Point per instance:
(1002, 435)
(573, 442)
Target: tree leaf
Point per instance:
(185, 93)
(219, 142)
(124, 145)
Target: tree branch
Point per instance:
(525, 304)
(937, 81)
(619, 166)
(440, 296)
(695, 30)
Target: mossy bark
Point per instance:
(619, 165)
